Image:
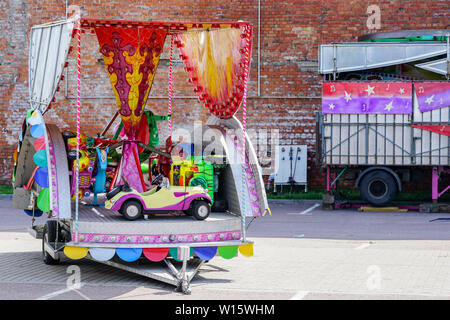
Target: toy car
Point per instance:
(193, 201)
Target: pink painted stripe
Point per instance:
(158, 239)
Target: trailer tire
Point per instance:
(378, 188)
(131, 210)
(49, 235)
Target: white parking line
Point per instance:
(305, 211)
(300, 295)
(363, 246)
(57, 293)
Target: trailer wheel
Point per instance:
(200, 209)
(49, 235)
(378, 188)
(132, 210)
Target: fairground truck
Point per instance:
(165, 233)
(385, 117)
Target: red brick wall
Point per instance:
(290, 34)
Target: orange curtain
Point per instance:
(215, 63)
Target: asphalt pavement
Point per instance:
(300, 252)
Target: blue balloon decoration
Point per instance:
(41, 177)
(40, 158)
(205, 253)
(37, 130)
(37, 213)
(129, 254)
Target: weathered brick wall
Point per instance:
(290, 33)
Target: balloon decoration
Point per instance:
(41, 177)
(156, 254)
(206, 253)
(129, 254)
(37, 213)
(228, 252)
(39, 143)
(102, 254)
(246, 249)
(37, 130)
(41, 173)
(43, 200)
(40, 158)
(75, 253)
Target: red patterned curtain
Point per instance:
(131, 55)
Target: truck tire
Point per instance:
(200, 209)
(131, 209)
(378, 188)
(49, 235)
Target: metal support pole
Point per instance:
(259, 48)
(183, 255)
(77, 175)
(448, 57)
(328, 179)
(434, 184)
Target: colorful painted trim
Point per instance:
(366, 98)
(52, 178)
(432, 95)
(158, 239)
(156, 254)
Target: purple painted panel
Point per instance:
(432, 95)
(180, 194)
(158, 239)
(366, 98)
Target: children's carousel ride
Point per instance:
(197, 204)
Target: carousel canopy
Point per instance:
(214, 56)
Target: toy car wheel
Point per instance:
(132, 210)
(201, 210)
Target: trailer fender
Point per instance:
(388, 170)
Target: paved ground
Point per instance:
(301, 252)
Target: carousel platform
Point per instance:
(103, 227)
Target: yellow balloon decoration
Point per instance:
(75, 253)
(246, 249)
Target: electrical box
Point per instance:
(291, 166)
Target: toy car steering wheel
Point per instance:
(157, 179)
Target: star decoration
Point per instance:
(429, 100)
(369, 90)
(331, 106)
(347, 96)
(402, 91)
(389, 106)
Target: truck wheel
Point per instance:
(49, 235)
(378, 188)
(132, 210)
(201, 210)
